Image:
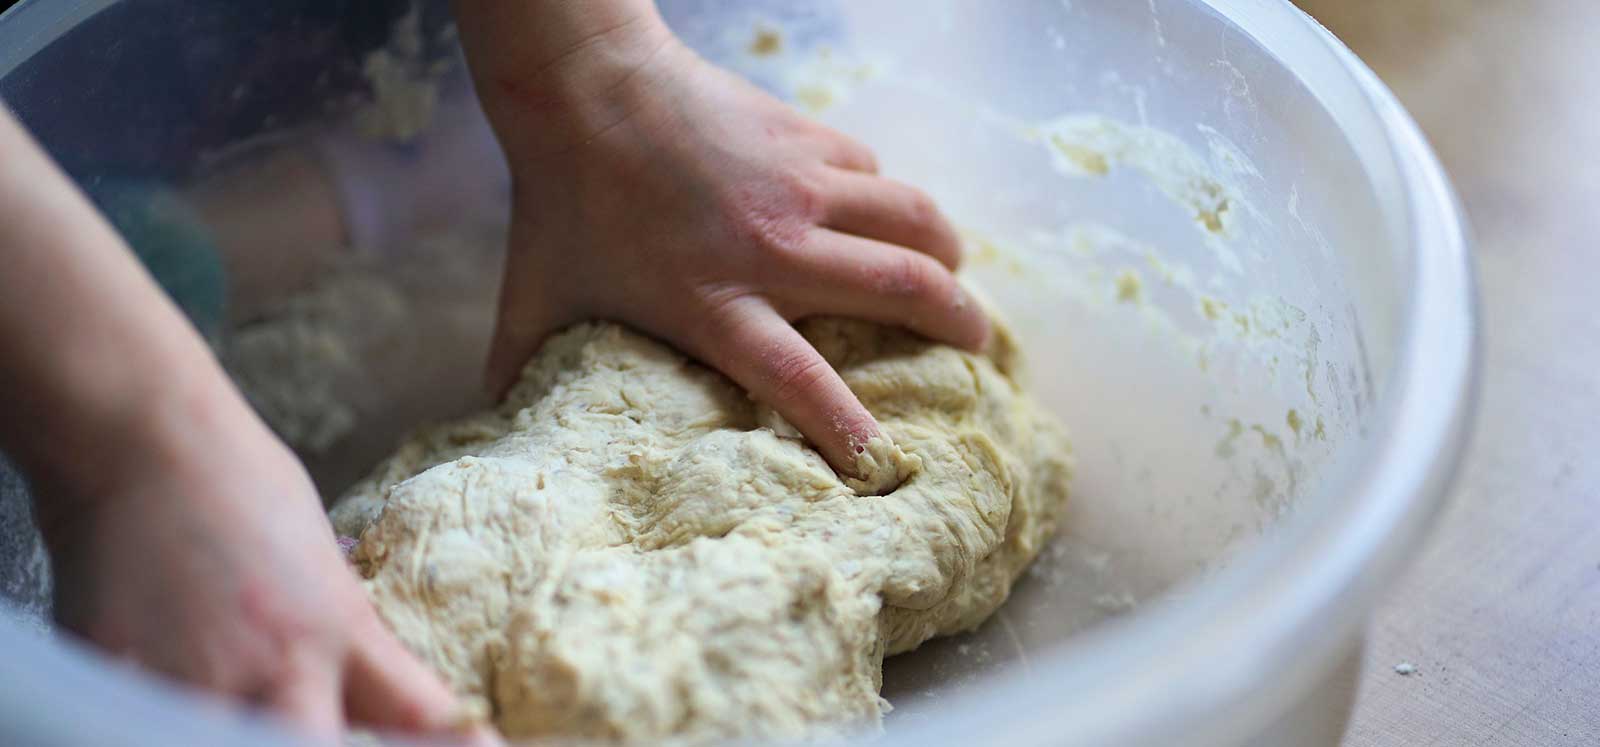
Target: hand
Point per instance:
(183, 535)
(655, 189)
(205, 555)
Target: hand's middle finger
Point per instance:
(873, 207)
(842, 275)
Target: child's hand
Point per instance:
(182, 534)
(202, 552)
(655, 189)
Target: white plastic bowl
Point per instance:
(1258, 321)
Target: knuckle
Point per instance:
(922, 211)
(805, 194)
(717, 299)
(869, 159)
(913, 277)
(795, 373)
(723, 327)
(954, 255)
(717, 315)
(775, 217)
(853, 152)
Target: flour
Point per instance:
(291, 363)
(377, 345)
(405, 84)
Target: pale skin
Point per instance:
(650, 188)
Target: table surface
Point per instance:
(1500, 614)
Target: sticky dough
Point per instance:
(630, 548)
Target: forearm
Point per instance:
(552, 73)
(89, 345)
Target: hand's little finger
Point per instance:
(844, 152)
(889, 211)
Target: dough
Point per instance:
(630, 548)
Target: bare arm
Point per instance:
(551, 73)
(90, 346)
(183, 535)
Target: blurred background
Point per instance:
(1500, 613)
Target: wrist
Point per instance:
(154, 421)
(96, 365)
(552, 74)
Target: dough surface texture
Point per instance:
(629, 548)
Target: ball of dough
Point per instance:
(630, 548)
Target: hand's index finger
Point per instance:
(762, 352)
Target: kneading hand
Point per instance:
(205, 555)
(655, 189)
(182, 534)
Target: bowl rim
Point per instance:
(1303, 592)
(31, 25)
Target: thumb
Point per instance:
(524, 320)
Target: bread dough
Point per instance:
(630, 548)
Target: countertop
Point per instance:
(1500, 614)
